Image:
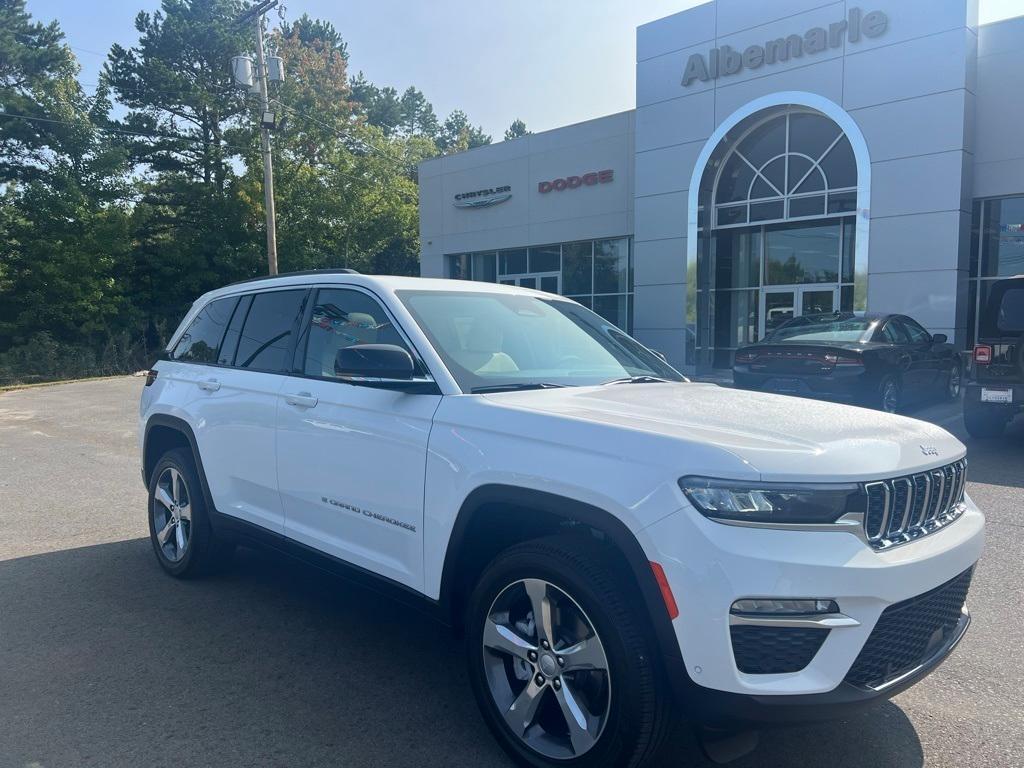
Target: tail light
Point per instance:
(840, 360)
(982, 354)
(744, 357)
(151, 375)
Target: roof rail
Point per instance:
(335, 271)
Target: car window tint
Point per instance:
(201, 341)
(341, 318)
(226, 356)
(893, 333)
(267, 334)
(917, 334)
(1010, 318)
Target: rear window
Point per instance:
(1004, 314)
(201, 341)
(822, 329)
(266, 338)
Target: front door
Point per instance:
(782, 303)
(351, 458)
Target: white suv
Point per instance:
(617, 544)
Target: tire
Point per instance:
(890, 395)
(628, 704)
(985, 422)
(955, 380)
(179, 524)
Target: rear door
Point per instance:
(924, 362)
(352, 457)
(234, 408)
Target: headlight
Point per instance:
(780, 503)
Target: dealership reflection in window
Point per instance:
(596, 273)
(997, 251)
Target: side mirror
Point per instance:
(940, 338)
(375, 361)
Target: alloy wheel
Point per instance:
(172, 514)
(546, 669)
(955, 377)
(890, 397)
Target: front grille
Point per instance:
(775, 650)
(909, 633)
(904, 508)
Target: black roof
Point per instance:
(302, 273)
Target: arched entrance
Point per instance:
(780, 205)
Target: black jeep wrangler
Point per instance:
(995, 386)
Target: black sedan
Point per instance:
(878, 360)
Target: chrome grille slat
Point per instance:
(904, 508)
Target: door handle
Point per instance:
(301, 400)
(210, 385)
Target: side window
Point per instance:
(202, 340)
(343, 318)
(234, 332)
(918, 335)
(266, 335)
(893, 332)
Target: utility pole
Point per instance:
(267, 121)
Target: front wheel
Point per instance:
(890, 393)
(559, 665)
(955, 381)
(179, 525)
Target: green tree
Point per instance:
(458, 135)
(517, 129)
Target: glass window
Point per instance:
(611, 266)
(765, 142)
(577, 268)
(894, 333)
(842, 202)
(734, 183)
(1010, 316)
(494, 339)
(807, 206)
(342, 318)
(549, 284)
(485, 267)
(849, 249)
(546, 259)
(459, 267)
(512, 262)
(738, 258)
(201, 341)
(736, 318)
(768, 211)
(917, 334)
(1003, 241)
(840, 165)
(799, 167)
(226, 356)
(802, 253)
(733, 214)
(811, 134)
(613, 309)
(267, 333)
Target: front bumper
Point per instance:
(710, 565)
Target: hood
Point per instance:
(778, 437)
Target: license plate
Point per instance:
(996, 395)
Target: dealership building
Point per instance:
(784, 158)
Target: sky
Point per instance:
(547, 62)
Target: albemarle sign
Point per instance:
(728, 61)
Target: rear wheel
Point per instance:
(179, 524)
(955, 381)
(984, 422)
(890, 394)
(560, 669)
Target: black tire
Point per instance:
(955, 380)
(890, 395)
(638, 707)
(984, 422)
(204, 552)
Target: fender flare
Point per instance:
(185, 429)
(572, 510)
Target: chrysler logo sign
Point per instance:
(482, 198)
(729, 61)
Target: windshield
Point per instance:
(829, 328)
(492, 340)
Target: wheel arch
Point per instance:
(484, 527)
(164, 433)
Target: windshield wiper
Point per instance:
(636, 380)
(517, 387)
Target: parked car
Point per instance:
(615, 543)
(877, 360)
(995, 389)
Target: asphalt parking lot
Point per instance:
(105, 661)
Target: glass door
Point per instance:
(549, 282)
(781, 304)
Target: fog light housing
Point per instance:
(770, 607)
